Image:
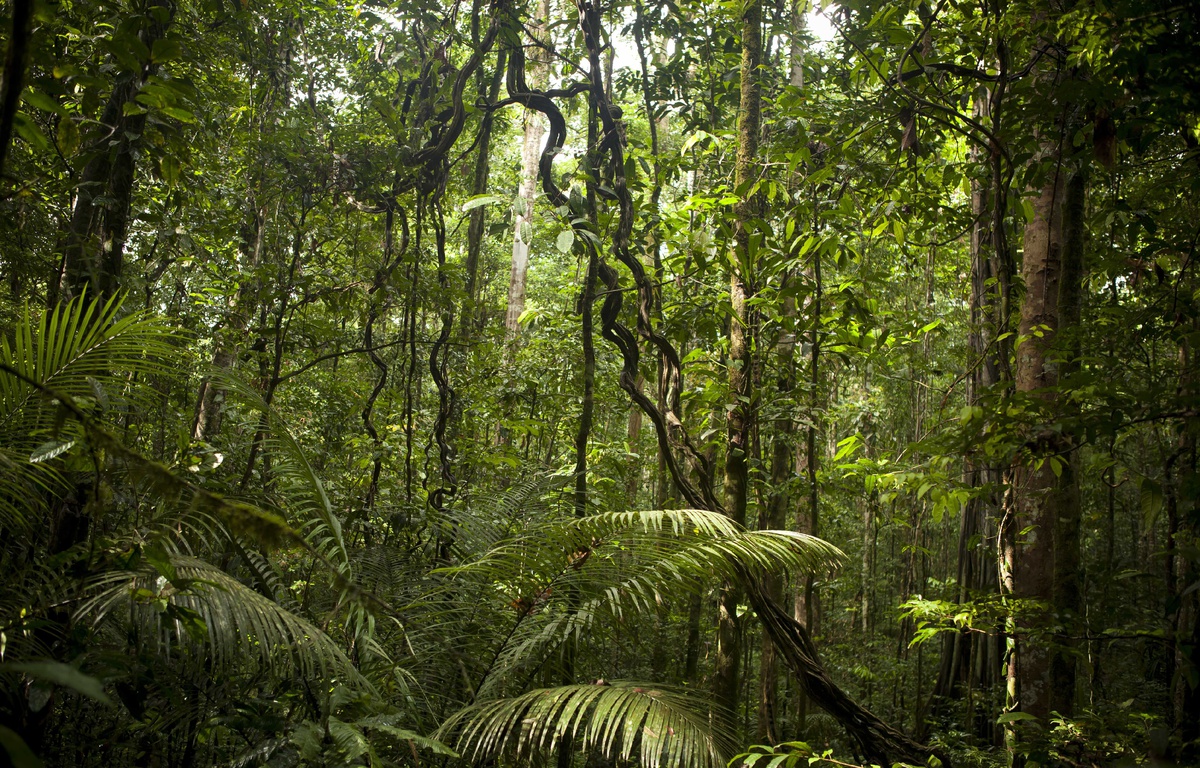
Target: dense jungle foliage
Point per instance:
(599, 383)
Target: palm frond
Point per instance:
(79, 345)
(657, 726)
(238, 623)
(85, 349)
(481, 522)
(306, 500)
(559, 578)
(633, 556)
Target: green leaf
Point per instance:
(43, 102)
(623, 720)
(61, 674)
(50, 450)
(19, 753)
(165, 50)
(170, 169)
(566, 239)
(30, 131)
(479, 201)
(696, 138)
(182, 115)
(161, 561)
(1013, 717)
(68, 136)
(433, 745)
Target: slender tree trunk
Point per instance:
(488, 90)
(806, 609)
(963, 669)
(633, 431)
(741, 415)
(774, 515)
(210, 400)
(531, 150)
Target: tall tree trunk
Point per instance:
(1044, 491)
(741, 340)
(774, 515)
(963, 668)
(94, 247)
(531, 151)
(806, 609)
(1065, 591)
(1186, 620)
(14, 74)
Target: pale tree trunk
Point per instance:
(531, 151)
(739, 425)
(804, 606)
(796, 45)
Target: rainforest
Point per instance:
(599, 383)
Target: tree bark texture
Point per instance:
(739, 423)
(1045, 494)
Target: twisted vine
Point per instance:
(667, 425)
(377, 306)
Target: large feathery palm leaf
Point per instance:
(559, 577)
(483, 521)
(238, 624)
(659, 726)
(84, 349)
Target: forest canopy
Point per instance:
(599, 383)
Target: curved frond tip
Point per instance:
(657, 726)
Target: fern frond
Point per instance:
(632, 556)
(239, 624)
(655, 725)
(84, 349)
